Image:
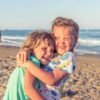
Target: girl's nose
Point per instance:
(49, 54)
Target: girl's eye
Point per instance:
(67, 38)
(56, 38)
(52, 51)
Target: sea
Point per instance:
(88, 42)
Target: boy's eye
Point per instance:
(67, 38)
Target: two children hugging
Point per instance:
(57, 70)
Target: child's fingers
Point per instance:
(19, 58)
(25, 56)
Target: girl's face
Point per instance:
(64, 41)
(44, 52)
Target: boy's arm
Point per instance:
(29, 87)
(46, 77)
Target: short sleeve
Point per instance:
(67, 62)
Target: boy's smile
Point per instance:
(64, 41)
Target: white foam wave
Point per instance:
(89, 42)
(13, 37)
(83, 51)
(11, 44)
(10, 41)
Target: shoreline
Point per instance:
(83, 85)
(78, 53)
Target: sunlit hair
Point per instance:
(35, 38)
(66, 22)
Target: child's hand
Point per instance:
(22, 56)
(26, 64)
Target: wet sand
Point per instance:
(83, 85)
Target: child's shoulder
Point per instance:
(63, 61)
(66, 56)
(69, 53)
(59, 58)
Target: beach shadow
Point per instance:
(69, 93)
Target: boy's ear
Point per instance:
(75, 41)
(75, 37)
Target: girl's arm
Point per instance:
(29, 87)
(46, 77)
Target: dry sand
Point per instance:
(83, 85)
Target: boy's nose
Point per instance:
(61, 41)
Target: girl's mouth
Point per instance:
(47, 58)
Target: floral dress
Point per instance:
(65, 63)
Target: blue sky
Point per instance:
(34, 14)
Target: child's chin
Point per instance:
(61, 52)
(44, 63)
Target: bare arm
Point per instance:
(46, 77)
(30, 90)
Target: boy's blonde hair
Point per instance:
(35, 38)
(61, 21)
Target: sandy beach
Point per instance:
(83, 85)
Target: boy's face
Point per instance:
(64, 41)
(44, 52)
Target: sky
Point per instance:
(39, 14)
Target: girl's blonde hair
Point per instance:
(36, 37)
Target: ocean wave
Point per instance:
(84, 51)
(11, 44)
(13, 37)
(89, 42)
(10, 41)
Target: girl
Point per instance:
(65, 34)
(42, 46)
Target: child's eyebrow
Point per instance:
(56, 37)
